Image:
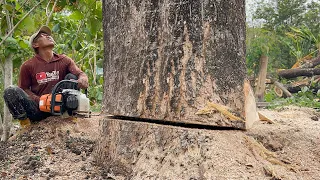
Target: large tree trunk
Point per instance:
(167, 60)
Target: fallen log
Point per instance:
(302, 61)
(312, 63)
(282, 88)
(292, 73)
(295, 87)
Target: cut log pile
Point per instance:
(304, 73)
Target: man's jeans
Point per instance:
(21, 106)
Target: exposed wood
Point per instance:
(226, 111)
(295, 87)
(278, 91)
(172, 124)
(284, 89)
(261, 84)
(302, 61)
(312, 63)
(305, 81)
(265, 118)
(251, 79)
(251, 113)
(262, 104)
(268, 81)
(292, 73)
(266, 154)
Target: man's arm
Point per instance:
(25, 83)
(82, 77)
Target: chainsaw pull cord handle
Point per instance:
(57, 90)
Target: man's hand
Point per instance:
(83, 83)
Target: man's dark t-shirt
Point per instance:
(38, 77)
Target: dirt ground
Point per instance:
(288, 148)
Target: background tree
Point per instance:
(279, 18)
(279, 15)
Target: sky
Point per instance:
(251, 6)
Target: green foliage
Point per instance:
(279, 15)
(312, 16)
(302, 42)
(292, 27)
(304, 98)
(263, 42)
(78, 32)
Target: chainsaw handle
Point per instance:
(55, 91)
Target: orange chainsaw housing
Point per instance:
(45, 102)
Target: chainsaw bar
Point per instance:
(171, 123)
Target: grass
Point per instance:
(304, 98)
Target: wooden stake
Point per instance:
(261, 84)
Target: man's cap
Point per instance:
(43, 29)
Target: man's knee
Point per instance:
(10, 90)
(14, 92)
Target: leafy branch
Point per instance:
(12, 29)
(50, 14)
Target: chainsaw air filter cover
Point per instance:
(72, 102)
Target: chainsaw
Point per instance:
(66, 97)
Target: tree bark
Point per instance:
(312, 63)
(312, 83)
(292, 73)
(8, 69)
(7, 118)
(283, 89)
(167, 60)
(1, 125)
(261, 85)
